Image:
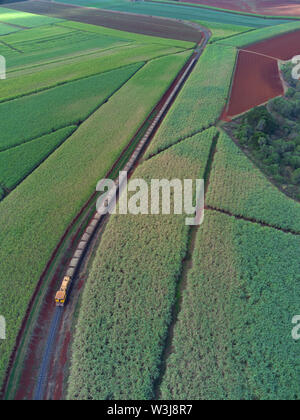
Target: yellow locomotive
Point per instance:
(62, 294)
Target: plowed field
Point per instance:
(146, 25)
(257, 78)
(256, 81)
(283, 47)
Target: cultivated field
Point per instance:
(256, 81)
(58, 140)
(167, 311)
(239, 188)
(200, 103)
(232, 339)
(127, 303)
(257, 77)
(136, 24)
(283, 47)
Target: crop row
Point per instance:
(36, 214)
(36, 52)
(232, 340)
(7, 29)
(18, 162)
(129, 295)
(65, 105)
(200, 103)
(78, 68)
(252, 37)
(238, 187)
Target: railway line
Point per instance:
(89, 228)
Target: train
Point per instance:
(62, 294)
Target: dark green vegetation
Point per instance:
(127, 302)
(65, 105)
(233, 336)
(271, 135)
(17, 162)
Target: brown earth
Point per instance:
(283, 47)
(263, 7)
(257, 77)
(140, 24)
(256, 81)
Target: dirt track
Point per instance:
(146, 25)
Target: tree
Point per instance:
(260, 113)
(296, 177)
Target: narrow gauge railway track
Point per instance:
(87, 231)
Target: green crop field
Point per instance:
(222, 31)
(7, 29)
(238, 187)
(233, 340)
(167, 310)
(126, 308)
(34, 80)
(65, 105)
(25, 20)
(17, 162)
(69, 175)
(200, 103)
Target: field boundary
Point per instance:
(252, 220)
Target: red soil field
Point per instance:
(256, 81)
(263, 7)
(283, 47)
